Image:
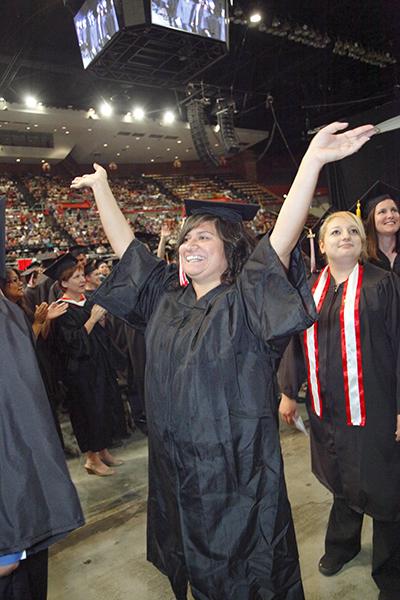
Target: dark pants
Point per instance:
(29, 581)
(343, 541)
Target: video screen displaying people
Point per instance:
(204, 17)
(96, 23)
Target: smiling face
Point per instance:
(202, 254)
(341, 241)
(387, 217)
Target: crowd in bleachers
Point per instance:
(58, 216)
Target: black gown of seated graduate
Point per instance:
(359, 464)
(218, 512)
(87, 363)
(38, 501)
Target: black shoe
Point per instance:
(330, 566)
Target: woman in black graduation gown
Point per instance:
(351, 360)
(218, 513)
(382, 227)
(86, 355)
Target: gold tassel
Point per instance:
(358, 209)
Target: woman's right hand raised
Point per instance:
(97, 313)
(91, 179)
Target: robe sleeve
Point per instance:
(292, 371)
(277, 303)
(72, 337)
(389, 299)
(132, 290)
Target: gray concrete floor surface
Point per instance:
(106, 559)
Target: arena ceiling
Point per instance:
(308, 85)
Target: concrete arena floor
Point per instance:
(105, 560)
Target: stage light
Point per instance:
(255, 18)
(168, 117)
(138, 113)
(91, 114)
(106, 110)
(31, 101)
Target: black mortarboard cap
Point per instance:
(377, 192)
(234, 212)
(2, 237)
(34, 266)
(46, 259)
(77, 250)
(57, 268)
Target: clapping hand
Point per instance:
(40, 314)
(97, 313)
(56, 309)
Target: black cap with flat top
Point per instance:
(234, 212)
(60, 265)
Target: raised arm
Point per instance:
(327, 146)
(116, 227)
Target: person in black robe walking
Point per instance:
(218, 512)
(351, 360)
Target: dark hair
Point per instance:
(372, 236)
(239, 242)
(22, 303)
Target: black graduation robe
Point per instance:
(218, 513)
(384, 263)
(360, 464)
(89, 376)
(38, 501)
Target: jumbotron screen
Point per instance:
(96, 24)
(202, 17)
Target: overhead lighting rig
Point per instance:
(308, 36)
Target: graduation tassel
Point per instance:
(313, 262)
(358, 209)
(183, 280)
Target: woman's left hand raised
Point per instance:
(332, 143)
(398, 429)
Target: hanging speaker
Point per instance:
(197, 117)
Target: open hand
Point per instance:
(166, 230)
(41, 312)
(56, 309)
(89, 180)
(398, 429)
(329, 144)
